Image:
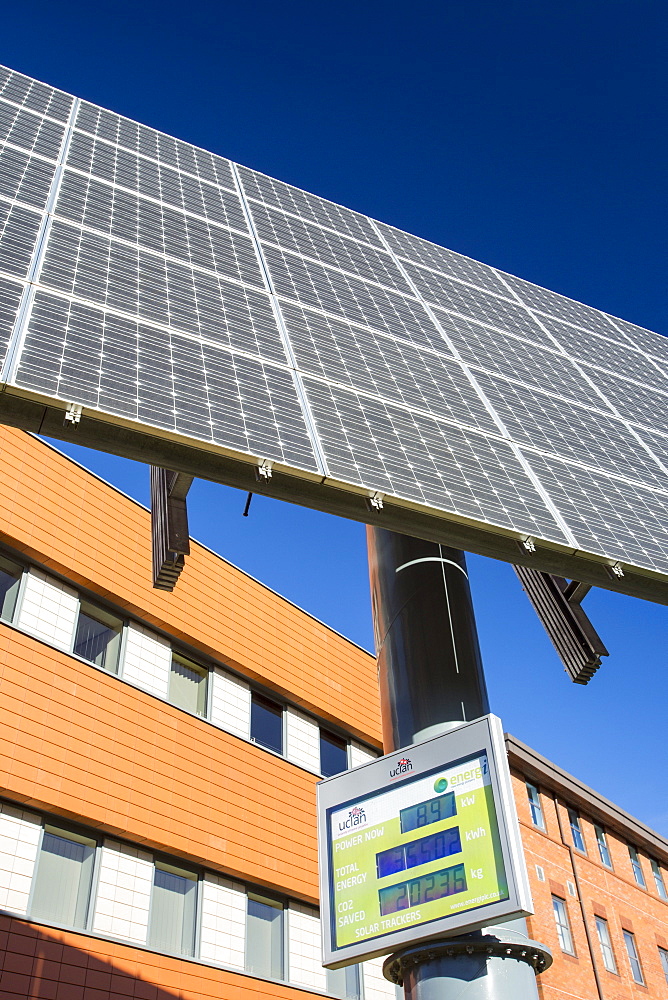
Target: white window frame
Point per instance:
(577, 833)
(603, 846)
(658, 879)
(633, 957)
(605, 944)
(636, 867)
(563, 925)
(84, 602)
(535, 806)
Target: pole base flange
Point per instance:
(534, 954)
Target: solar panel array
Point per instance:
(152, 281)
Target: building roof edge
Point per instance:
(549, 775)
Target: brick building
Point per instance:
(599, 880)
(158, 772)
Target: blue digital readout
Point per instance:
(418, 852)
(422, 890)
(431, 811)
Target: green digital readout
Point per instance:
(431, 811)
(422, 890)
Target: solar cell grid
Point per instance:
(158, 181)
(375, 444)
(18, 232)
(34, 95)
(605, 353)
(392, 369)
(164, 379)
(10, 298)
(652, 343)
(24, 178)
(514, 358)
(148, 286)
(637, 403)
(429, 255)
(30, 132)
(155, 145)
(125, 216)
(342, 252)
(572, 431)
(343, 295)
(308, 206)
(658, 443)
(609, 516)
(153, 305)
(476, 304)
(561, 307)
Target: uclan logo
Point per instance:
(356, 817)
(401, 768)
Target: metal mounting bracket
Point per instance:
(264, 470)
(169, 525)
(557, 604)
(375, 501)
(73, 414)
(616, 571)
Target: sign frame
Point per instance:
(353, 788)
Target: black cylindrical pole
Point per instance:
(431, 679)
(429, 664)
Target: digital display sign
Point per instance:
(417, 842)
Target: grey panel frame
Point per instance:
(484, 735)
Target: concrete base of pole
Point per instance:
(496, 963)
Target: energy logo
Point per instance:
(440, 785)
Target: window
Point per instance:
(266, 723)
(173, 899)
(658, 879)
(576, 831)
(603, 850)
(98, 637)
(637, 867)
(62, 883)
(563, 926)
(663, 955)
(606, 944)
(537, 817)
(264, 937)
(333, 754)
(636, 970)
(344, 983)
(10, 580)
(187, 685)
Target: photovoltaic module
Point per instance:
(195, 305)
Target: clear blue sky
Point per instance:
(531, 136)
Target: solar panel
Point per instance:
(186, 303)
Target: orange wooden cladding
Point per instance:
(84, 745)
(67, 519)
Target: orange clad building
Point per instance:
(158, 772)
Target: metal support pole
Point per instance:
(431, 679)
